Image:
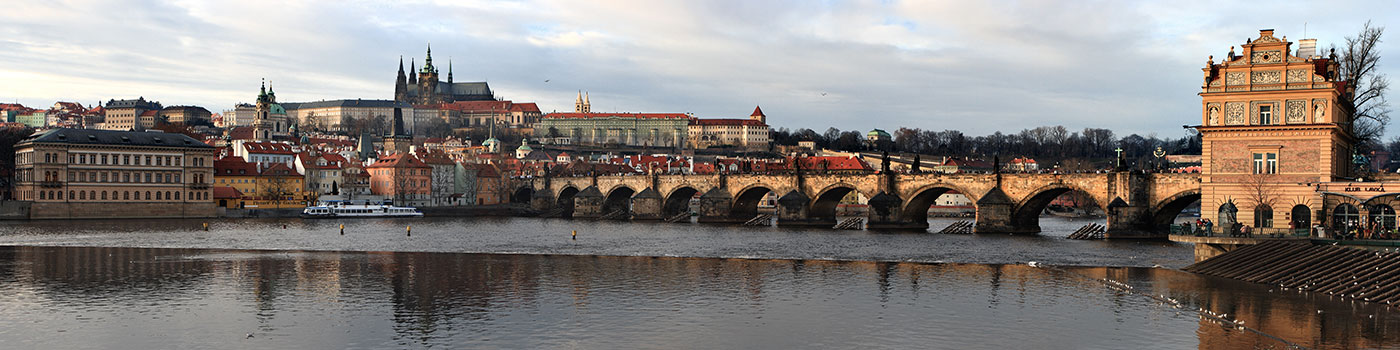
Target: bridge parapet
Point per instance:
(895, 201)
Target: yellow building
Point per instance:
(276, 186)
(1273, 126)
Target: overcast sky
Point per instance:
(976, 66)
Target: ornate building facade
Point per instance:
(86, 173)
(1275, 127)
(424, 88)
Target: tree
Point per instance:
(1263, 191)
(277, 189)
(1359, 61)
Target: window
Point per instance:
(1266, 163)
(1266, 115)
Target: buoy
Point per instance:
(410, 230)
(575, 237)
(342, 229)
(206, 226)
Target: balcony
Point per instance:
(50, 184)
(199, 186)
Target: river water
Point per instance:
(516, 283)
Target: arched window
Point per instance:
(157, 195)
(104, 195)
(70, 195)
(82, 195)
(1263, 216)
(126, 195)
(148, 195)
(1302, 217)
(92, 195)
(1381, 217)
(1345, 218)
(177, 196)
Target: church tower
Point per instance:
(262, 126)
(581, 104)
(428, 80)
(449, 71)
(401, 84)
(398, 141)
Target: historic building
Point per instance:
(751, 133)
(629, 129)
(338, 115)
(424, 88)
(126, 114)
(271, 118)
(1275, 129)
(85, 173)
(185, 115)
(475, 114)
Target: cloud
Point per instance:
(974, 66)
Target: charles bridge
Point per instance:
(1138, 204)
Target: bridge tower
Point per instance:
(1274, 123)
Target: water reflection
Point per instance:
(73, 297)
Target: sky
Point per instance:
(975, 66)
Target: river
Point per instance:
(524, 283)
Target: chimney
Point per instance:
(1307, 48)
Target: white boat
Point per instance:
(343, 210)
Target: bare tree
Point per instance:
(278, 190)
(1359, 67)
(1261, 190)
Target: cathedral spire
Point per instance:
(413, 66)
(428, 62)
(449, 70)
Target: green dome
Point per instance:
(277, 109)
(490, 141)
(524, 147)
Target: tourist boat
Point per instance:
(343, 210)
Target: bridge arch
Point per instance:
(565, 200)
(825, 202)
(746, 201)
(1166, 210)
(1026, 216)
(522, 194)
(916, 206)
(618, 199)
(678, 201)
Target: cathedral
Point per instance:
(425, 88)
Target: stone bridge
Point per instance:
(1136, 203)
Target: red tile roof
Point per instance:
(279, 169)
(227, 193)
(230, 166)
(757, 111)
(267, 147)
(748, 122)
(618, 115)
(399, 160)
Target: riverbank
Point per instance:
(462, 211)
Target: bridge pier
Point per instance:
(542, 201)
(646, 205)
(1129, 221)
(994, 213)
(884, 213)
(588, 203)
(794, 209)
(715, 207)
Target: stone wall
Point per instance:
(78, 210)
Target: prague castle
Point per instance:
(424, 88)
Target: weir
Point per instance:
(1342, 271)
